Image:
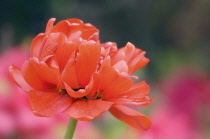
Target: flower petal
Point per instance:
(54, 41)
(87, 61)
(42, 81)
(64, 52)
(118, 55)
(76, 94)
(137, 95)
(88, 30)
(129, 51)
(105, 62)
(114, 84)
(69, 75)
(62, 26)
(137, 62)
(138, 90)
(17, 77)
(48, 103)
(93, 86)
(106, 80)
(37, 45)
(130, 117)
(87, 110)
(121, 66)
(118, 87)
(49, 26)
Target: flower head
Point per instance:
(71, 71)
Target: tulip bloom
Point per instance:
(71, 71)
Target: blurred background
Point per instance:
(176, 36)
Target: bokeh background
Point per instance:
(176, 36)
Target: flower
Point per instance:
(185, 100)
(186, 92)
(71, 71)
(181, 125)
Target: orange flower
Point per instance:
(71, 71)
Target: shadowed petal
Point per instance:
(44, 80)
(130, 117)
(54, 41)
(93, 86)
(106, 62)
(136, 95)
(87, 110)
(76, 94)
(87, 61)
(106, 80)
(121, 66)
(37, 45)
(137, 62)
(64, 52)
(138, 90)
(118, 87)
(17, 77)
(119, 55)
(69, 75)
(48, 103)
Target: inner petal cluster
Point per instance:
(71, 69)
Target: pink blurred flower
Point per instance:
(180, 114)
(11, 56)
(187, 91)
(170, 125)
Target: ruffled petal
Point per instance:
(62, 26)
(93, 86)
(87, 110)
(105, 62)
(119, 55)
(54, 41)
(49, 26)
(137, 62)
(138, 90)
(64, 52)
(75, 21)
(69, 75)
(129, 51)
(118, 87)
(144, 101)
(76, 94)
(88, 30)
(37, 45)
(130, 117)
(121, 66)
(136, 95)
(48, 103)
(106, 80)
(114, 84)
(38, 75)
(17, 77)
(87, 61)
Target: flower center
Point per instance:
(78, 89)
(62, 91)
(97, 95)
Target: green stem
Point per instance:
(70, 129)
